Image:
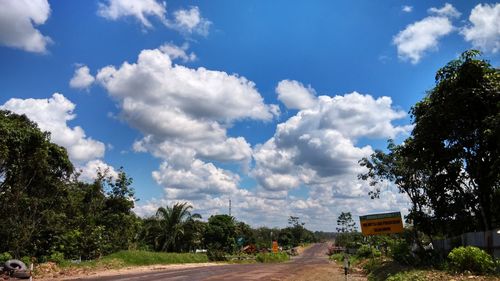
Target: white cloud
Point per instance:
(294, 95)
(484, 30)
(318, 143)
(407, 9)
(189, 21)
(178, 52)
(82, 79)
(18, 19)
(446, 11)
(90, 169)
(52, 115)
(184, 115)
(421, 36)
(140, 9)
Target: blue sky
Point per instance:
(267, 103)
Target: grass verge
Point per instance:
(116, 261)
(137, 258)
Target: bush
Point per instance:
(271, 257)
(56, 257)
(216, 255)
(472, 259)
(5, 257)
(401, 252)
(365, 251)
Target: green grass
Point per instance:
(272, 258)
(139, 258)
(339, 258)
(412, 275)
(149, 258)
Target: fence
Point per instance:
(486, 240)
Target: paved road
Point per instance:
(311, 258)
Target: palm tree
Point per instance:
(173, 221)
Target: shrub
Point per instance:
(56, 257)
(5, 257)
(401, 252)
(216, 254)
(472, 259)
(365, 251)
(271, 257)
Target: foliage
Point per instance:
(216, 254)
(407, 276)
(56, 257)
(220, 233)
(32, 175)
(175, 223)
(349, 239)
(471, 259)
(272, 257)
(5, 257)
(366, 251)
(149, 258)
(345, 223)
(401, 252)
(450, 165)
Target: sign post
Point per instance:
(378, 224)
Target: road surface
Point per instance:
(312, 264)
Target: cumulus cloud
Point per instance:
(178, 52)
(294, 95)
(139, 9)
(484, 28)
(18, 19)
(446, 11)
(184, 114)
(82, 79)
(52, 115)
(407, 9)
(189, 21)
(319, 143)
(419, 37)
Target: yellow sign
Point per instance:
(381, 223)
(275, 247)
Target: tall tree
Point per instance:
(450, 165)
(33, 173)
(220, 233)
(345, 223)
(173, 222)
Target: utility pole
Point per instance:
(229, 207)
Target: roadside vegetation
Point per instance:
(50, 215)
(449, 168)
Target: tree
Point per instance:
(220, 233)
(345, 223)
(450, 165)
(173, 222)
(33, 173)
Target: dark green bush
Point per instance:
(401, 252)
(214, 254)
(365, 251)
(5, 257)
(471, 259)
(56, 257)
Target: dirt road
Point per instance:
(313, 264)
